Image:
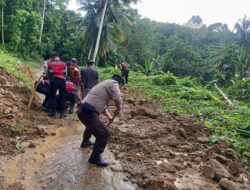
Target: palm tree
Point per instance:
(242, 29)
(3, 5)
(42, 23)
(99, 25)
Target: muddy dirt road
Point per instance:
(59, 163)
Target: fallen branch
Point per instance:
(224, 96)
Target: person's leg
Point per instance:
(94, 126)
(126, 76)
(88, 119)
(101, 134)
(62, 97)
(45, 91)
(72, 99)
(52, 100)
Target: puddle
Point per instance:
(59, 163)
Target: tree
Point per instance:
(103, 8)
(2, 28)
(195, 22)
(42, 23)
(242, 29)
(218, 27)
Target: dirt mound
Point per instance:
(162, 152)
(17, 123)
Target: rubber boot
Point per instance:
(71, 110)
(52, 113)
(63, 114)
(86, 144)
(97, 160)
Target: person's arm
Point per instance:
(116, 96)
(65, 70)
(47, 74)
(108, 115)
(97, 78)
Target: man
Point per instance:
(57, 72)
(124, 70)
(90, 76)
(71, 95)
(44, 86)
(95, 103)
(75, 76)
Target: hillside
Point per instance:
(158, 142)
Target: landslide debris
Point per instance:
(17, 123)
(162, 152)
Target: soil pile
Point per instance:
(17, 123)
(162, 152)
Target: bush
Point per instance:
(241, 88)
(195, 94)
(165, 80)
(188, 82)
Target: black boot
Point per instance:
(86, 144)
(62, 115)
(44, 104)
(97, 160)
(71, 110)
(52, 114)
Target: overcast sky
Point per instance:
(180, 11)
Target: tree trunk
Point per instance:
(90, 51)
(224, 96)
(100, 30)
(42, 23)
(2, 24)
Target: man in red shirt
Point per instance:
(57, 72)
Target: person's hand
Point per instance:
(117, 112)
(111, 119)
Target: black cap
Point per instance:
(119, 79)
(90, 61)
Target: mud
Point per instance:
(59, 163)
(147, 150)
(17, 123)
(162, 152)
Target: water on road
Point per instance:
(59, 163)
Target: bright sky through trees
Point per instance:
(180, 11)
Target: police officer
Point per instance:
(95, 103)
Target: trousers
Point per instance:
(94, 126)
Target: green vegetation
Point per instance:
(186, 97)
(14, 66)
(16, 129)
